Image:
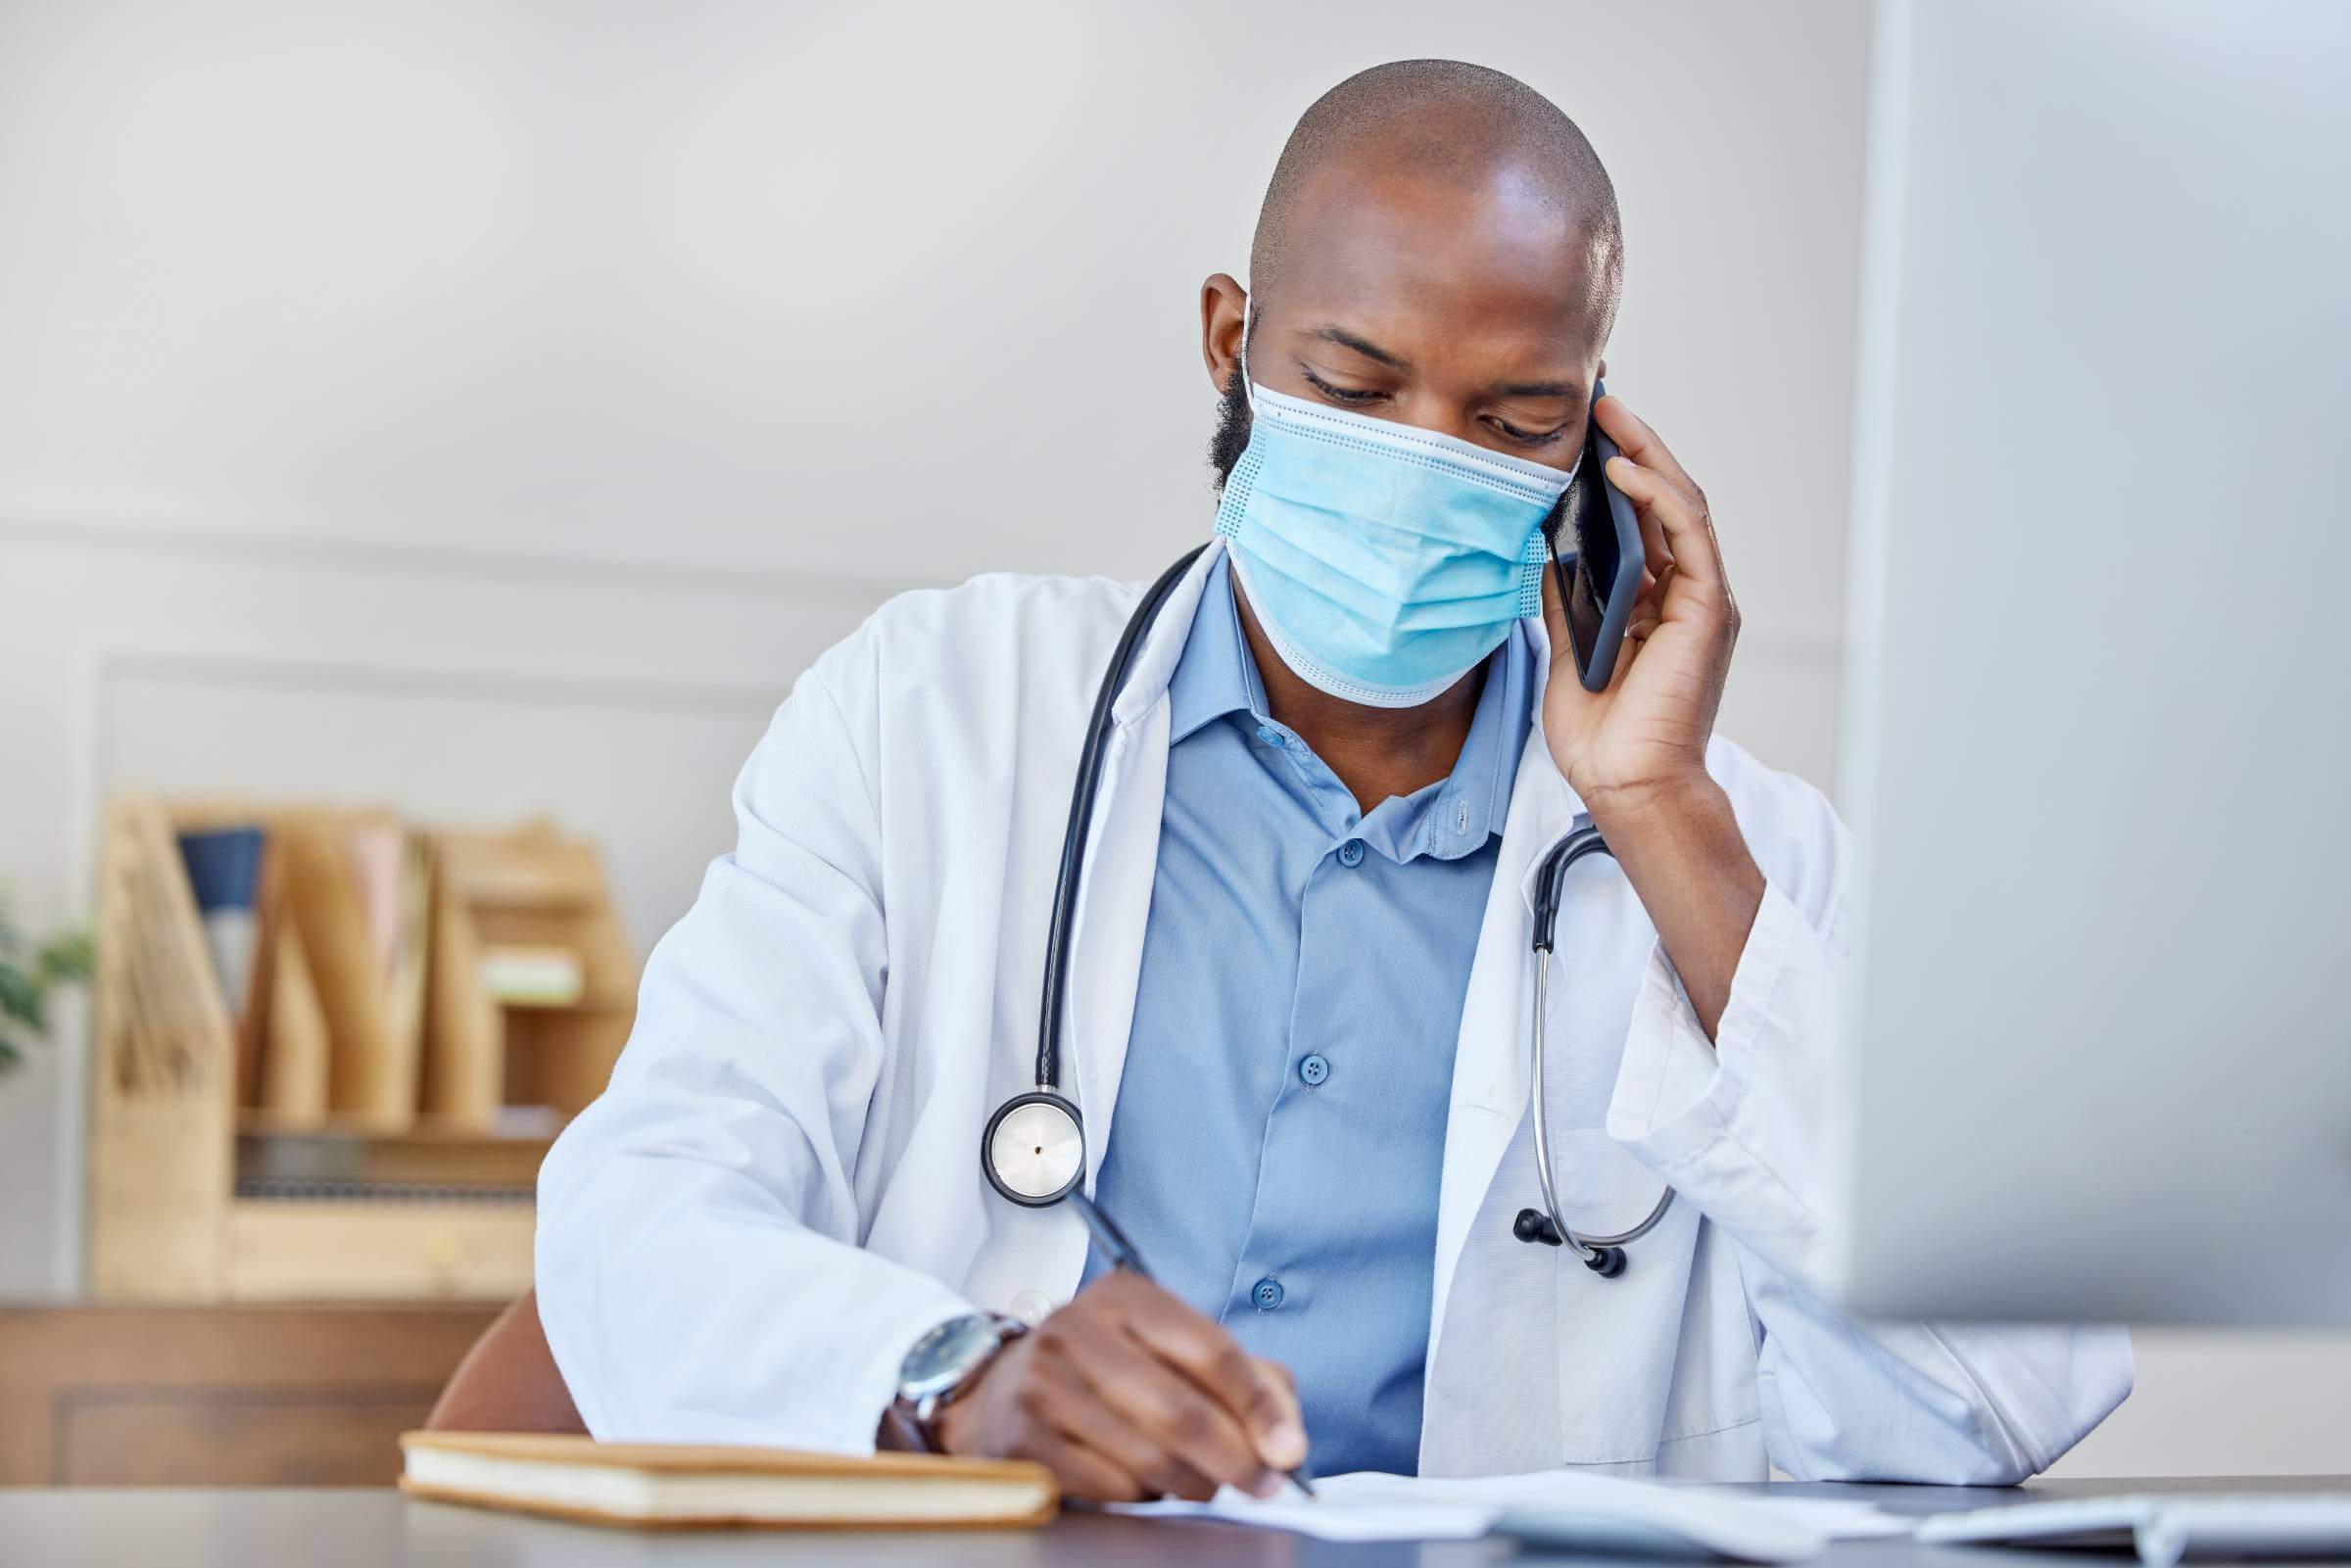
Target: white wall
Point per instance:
(484, 408)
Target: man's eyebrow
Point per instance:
(1372, 351)
(1362, 346)
(1537, 389)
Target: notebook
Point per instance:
(665, 1485)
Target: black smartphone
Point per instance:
(1598, 557)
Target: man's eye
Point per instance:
(1528, 438)
(1343, 393)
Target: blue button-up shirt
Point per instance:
(1280, 1125)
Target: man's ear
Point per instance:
(1223, 314)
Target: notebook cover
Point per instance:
(704, 1460)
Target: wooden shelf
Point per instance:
(258, 1123)
(497, 891)
(606, 1006)
(288, 1249)
(369, 1123)
(429, 1155)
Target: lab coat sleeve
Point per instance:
(1739, 1125)
(698, 1268)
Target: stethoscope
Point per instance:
(1603, 1255)
(1033, 1149)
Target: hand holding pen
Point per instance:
(1128, 1393)
(1120, 1254)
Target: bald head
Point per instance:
(1447, 123)
(1439, 247)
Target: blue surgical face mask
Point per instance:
(1383, 560)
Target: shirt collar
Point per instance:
(1470, 806)
(1217, 676)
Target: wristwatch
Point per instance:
(944, 1362)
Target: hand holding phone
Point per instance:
(1600, 578)
(1635, 748)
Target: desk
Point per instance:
(375, 1529)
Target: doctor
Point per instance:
(1298, 1019)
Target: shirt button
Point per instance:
(1268, 735)
(1313, 1070)
(1350, 853)
(1267, 1293)
(1031, 1306)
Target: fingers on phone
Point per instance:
(1640, 487)
(1637, 441)
(1686, 535)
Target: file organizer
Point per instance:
(366, 1122)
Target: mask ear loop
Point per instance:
(1248, 393)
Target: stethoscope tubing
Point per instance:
(1548, 886)
(1582, 1242)
(1081, 820)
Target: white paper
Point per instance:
(1368, 1506)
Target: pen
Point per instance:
(1121, 1255)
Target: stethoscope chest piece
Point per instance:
(1034, 1150)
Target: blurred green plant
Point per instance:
(30, 973)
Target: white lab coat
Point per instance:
(780, 1189)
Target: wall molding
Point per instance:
(453, 683)
(253, 546)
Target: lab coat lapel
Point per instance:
(1490, 1058)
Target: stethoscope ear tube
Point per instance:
(1082, 819)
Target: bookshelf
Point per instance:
(419, 1010)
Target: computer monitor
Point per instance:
(2097, 726)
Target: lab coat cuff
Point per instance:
(873, 1384)
(1739, 1125)
(1678, 1093)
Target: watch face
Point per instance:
(940, 1358)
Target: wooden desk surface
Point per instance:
(375, 1529)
